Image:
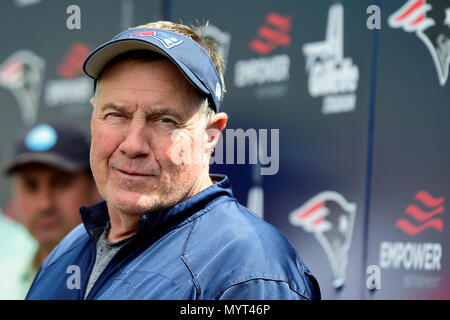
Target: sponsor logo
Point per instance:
(72, 64)
(169, 41)
(23, 74)
(412, 255)
(268, 73)
(272, 35)
(330, 217)
(419, 281)
(424, 218)
(262, 70)
(73, 88)
(430, 21)
(332, 76)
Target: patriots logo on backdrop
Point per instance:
(23, 74)
(430, 20)
(168, 40)
(330, 218)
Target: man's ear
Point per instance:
(215, 127)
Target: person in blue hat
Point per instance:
(51, 179)
(167, 228)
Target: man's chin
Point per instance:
(137, 206)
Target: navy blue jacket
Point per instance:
(207, 247)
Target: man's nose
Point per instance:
(136, 142)
(45, 198)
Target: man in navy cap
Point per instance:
(51, 179)
(167, 228)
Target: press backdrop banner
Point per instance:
(338, 132)
(363, 141)
(409, 216)
(300, 70)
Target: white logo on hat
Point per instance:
(41, 138)
(218, 92)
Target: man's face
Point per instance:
(48, 200)
(144, 122)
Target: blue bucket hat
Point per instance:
(190, 58)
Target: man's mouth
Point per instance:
(47, 221)
(132, 173)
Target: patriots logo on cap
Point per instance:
(168, 40)
(330, 218)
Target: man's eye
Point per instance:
(30, 186)
(114, 115)
(62, 181)
(166, 120)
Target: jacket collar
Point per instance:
(95, 217)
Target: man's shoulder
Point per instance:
(234, 222)
(247, 247)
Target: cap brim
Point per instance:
(45, 158)
(98, 59)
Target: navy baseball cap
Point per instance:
(53, 144)
(190, 58)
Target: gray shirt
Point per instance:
(106, 250)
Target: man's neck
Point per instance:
(122, 226)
